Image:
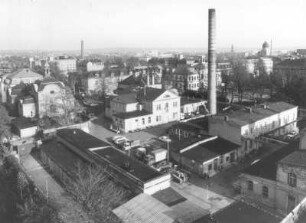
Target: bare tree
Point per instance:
(93, 188)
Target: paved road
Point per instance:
(100, 128)
(70, 211)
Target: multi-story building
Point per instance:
(277, 181)
(10, 80)
(90, 65)
(148, 107)
(245, 126)
(65, 64)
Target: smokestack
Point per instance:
(212, 95)
(82, 49)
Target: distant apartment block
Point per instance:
(65, 65)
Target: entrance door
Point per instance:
(232, 157)
(291, 203)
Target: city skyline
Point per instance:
(56, 25)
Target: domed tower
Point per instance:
(265, 49)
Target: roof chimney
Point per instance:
(212, 96)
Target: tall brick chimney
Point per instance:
(212, 92)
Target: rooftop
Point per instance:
(267, 167)
(23, 123)
(209, 150)
(63, 157)
(126, 98)
(293, 63)
(139, 170)
(81, 139)
(297, 158)
(240, 212)
(133, 114)
(23, 73)
(150, 94)
(185, 100)
(243, 117)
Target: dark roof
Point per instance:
(126, 98)
(177, 145)
(23, 123)
(28, 100)
(81, 139)
(169, 197)
(267, 167)
(243, 116)
(62, 156)
(185, 100)
(297, 158)
(132, 80)
(135, 168)
(209, 150)
(200, 122)
(150, 94)
(187, 127)
(133, 114)
(240, 212)
(293, 63)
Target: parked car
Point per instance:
(164, 138)
(129, 144)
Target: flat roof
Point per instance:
(243, 116)
(62, 156)
(188, 100)
(209, 150)
(136, 168)
(23, 123)
(267, 167)
(177, 145)
(240, 212)
(81, 139)
(133, 114)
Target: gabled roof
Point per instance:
(150, 94)
(297, 159)
(23, 73)
(267, 167)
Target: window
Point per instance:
(143, 121)
(175, 104)
(246, 145)
(149, 120)
(174, 115)
(209, 166)
(158, 107)
(221, 159)
(265, 192)
(292, 179)
(52, 92)
(167, 107)
(250, 185)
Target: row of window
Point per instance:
(159, 107)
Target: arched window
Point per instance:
(292, 179)
(265, 191)
(250, 185)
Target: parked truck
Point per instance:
(129, 144)
(156, 156)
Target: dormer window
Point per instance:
(52, 92)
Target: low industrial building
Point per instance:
(133, 174)
(245, 126)
(204, 155)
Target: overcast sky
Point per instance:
(61, 24)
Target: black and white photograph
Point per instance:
(152, 111)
